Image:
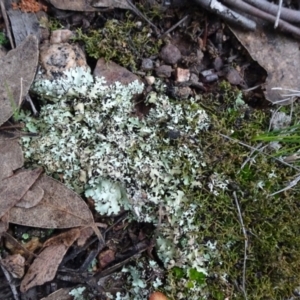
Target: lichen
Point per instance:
(180, 175)
(94, 139)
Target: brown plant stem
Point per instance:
(227, 14)
(287, 14)
(282, 25)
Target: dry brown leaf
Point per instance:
(11, 156)
(33, 196)
(85, 233)
(86, 5)
(61, 294)
(44, 267)
(277, 54)
(14, 264)
(17, 72)
(13, 188)
(67, 238)
(59, 208)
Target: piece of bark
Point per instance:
(23, 25)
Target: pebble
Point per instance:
(57, 58)
(157, 296)
(182, 92)
(182, 75)
(61, 36)
(150, 79)
(164, 71)
(112, 73)
(170, 54)
(147, 64)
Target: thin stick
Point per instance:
(273, 116)
(252, 88)
(289, 186)
(34, 110)
(137, 11)
(246, 245)
(278, 14)
(173, 27)
(259, 147)
(21, 92)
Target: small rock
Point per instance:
(170, 54)
(173, 134)
(147, 64)
(150, 79)
(234, 77)
(157, 296)
(61, 36)
(199, 85)
(209, 76)
(218, 63)
(194, 78)
(164, 71)
(112, 73)
(182, 75)
(182, 92)
(57, 58)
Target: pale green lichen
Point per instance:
(78, 293)
(93, 137)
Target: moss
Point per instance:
(51, 23)
(3, 39)
(272, 223)
(126, 42)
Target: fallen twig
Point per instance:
(34, 110)
(141, 15)
(289, 186)
(287, 14)
(227, 14)
(282, 25)
(246, 245)
(173, 27)
(259, 147)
